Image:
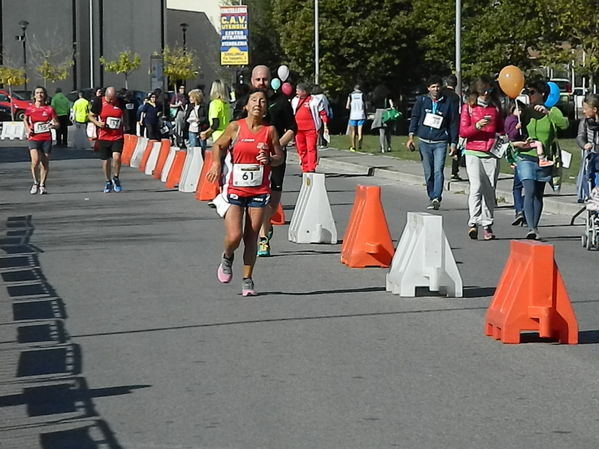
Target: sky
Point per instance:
(210, 7)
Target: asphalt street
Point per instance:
(114, 332)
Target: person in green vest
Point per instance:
(79, 112)
(541, 124)
(219, 112)
(61, 105)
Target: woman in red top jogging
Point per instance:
(39, 119)
(254, 149)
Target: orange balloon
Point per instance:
(511, 81)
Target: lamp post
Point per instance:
(316, 44)
(458, 45)
(184, 27)
(23, 24)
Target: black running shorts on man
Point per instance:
(107, 147)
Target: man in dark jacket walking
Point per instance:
(436, 124)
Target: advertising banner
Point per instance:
(234, 49)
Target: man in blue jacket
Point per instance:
(435, 122)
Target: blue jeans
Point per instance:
(533, 202)
(195, 141)
(517, 193)
(433, 161)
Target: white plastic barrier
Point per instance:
(191, 171)
(312, 220)
(169, 163)
(424, 259)
(153, 159)
(138, 152)
(13, 130)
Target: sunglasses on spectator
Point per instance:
(531, 91)
(488, 91)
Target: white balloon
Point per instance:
(283, 73)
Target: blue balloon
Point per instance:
(554, 94)
(275, 84)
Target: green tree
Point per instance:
(180, 64)
(53, 72)
(574, 27)
(126, 63)
(11, 76)
(359, 40)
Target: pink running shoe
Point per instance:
(247, 287)
(225, 270)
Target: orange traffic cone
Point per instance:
(128, 148)
(146, 155)
(174, 175)
(278, 217)
(531, 296)
(165, 146)
(367, 241)
(206, 191)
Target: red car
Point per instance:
(18, 102)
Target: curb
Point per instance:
(550, 203)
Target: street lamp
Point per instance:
(23, 24)
(316, 44)
(184, 27)
(458, 46)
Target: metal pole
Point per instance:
(91, 43)
(25, 59)
(458, 45)
(316, 49)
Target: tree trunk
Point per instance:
(126, 83)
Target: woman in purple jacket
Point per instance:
(516, 132)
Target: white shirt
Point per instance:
(356, 106)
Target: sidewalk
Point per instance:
(410, 172)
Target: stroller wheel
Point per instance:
(583, 240)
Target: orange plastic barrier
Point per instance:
(278, 217)
(531, 296)
(206, 191)
(165, 146)
(146, 156)
(128, 148)
(174, 175)
(367, 241)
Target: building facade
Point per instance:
(81, 31)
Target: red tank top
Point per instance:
(248, 177)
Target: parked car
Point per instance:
(564, 84)
(18, 103)
(5, 114)
(88, 92)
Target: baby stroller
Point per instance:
(590, 238)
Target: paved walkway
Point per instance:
(410, 172)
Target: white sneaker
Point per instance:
(34, 189)
(43, 190)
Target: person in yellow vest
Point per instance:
(79, 112)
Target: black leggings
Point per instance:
(533, 201)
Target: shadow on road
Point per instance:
(42, 366)
(21, 154)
